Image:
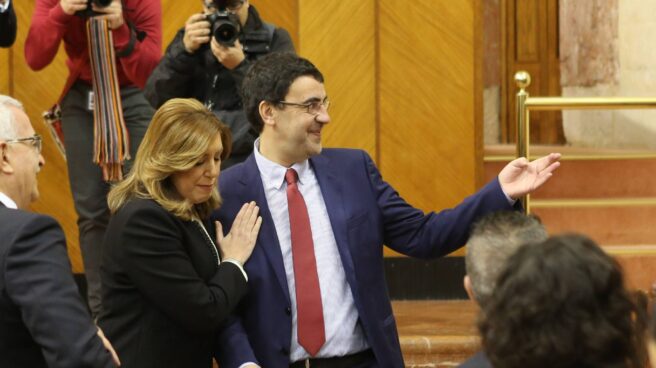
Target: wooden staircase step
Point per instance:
(612, 200)
(437, 333)
(594, 179)
(639, 268)
(606, 225)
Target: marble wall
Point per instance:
(606, 50)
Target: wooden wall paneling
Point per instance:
(5, 70)
(531, 43)
(428, 90)
(38, 91)
(552, 130)
(282, 13)
(339, 37)
(479, 86)
(507, 127)
(527, 37)
(175, 15)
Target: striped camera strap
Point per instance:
(111, 139)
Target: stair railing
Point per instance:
(526, 104)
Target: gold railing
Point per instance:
(526, 104)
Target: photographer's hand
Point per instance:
(113, 13)
(70, 7)
(197, 32)
(230, 57)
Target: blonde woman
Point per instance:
(169, 278)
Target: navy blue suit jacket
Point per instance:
(365, 212)
(43, 320)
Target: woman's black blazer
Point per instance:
(164, 293)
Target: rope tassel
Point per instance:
(111, 145)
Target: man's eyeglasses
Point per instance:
(231, 6)
(312, 107)
(34, 141)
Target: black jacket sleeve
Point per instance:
(151, 250)
(8, 26)
(39, 281)
(174, 75)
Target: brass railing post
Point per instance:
(523, 80)
(526, 104)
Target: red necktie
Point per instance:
(311, 333)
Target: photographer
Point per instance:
(136, 30)
(197, 65)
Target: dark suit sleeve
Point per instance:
(8, 26)
(153, 255)
(409, 231)
(233, 347)
(40, 283)
(174, 75)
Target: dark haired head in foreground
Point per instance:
(562, 303)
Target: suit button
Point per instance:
(288, 310)
(284, 351)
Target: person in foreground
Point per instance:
(167, 284)
(494, 238)
(43, 319)
(562, 303)
(319, 289)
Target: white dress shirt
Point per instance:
(8, 202)
(4, 7)
(344, 335)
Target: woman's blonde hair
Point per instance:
(178, 136)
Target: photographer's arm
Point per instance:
(173, 76)
(140, 57)
(47, 28)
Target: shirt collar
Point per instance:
(8, 202)
(273, 174)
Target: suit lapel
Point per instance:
(333, 197)
(268, 238)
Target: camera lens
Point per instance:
(225, 27)
(226, 33)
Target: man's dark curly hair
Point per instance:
(269, 79)
(562, 303)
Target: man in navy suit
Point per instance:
(336, 313)
(43, 320)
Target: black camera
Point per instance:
(225, 25)
(88, 12)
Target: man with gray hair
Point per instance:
(43, 320)
(494, 238)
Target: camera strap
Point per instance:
(259, 41)
(111, 141)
